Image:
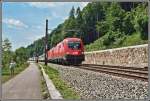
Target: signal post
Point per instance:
(46, 39)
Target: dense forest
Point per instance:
(101, 25)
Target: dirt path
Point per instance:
(25, 85)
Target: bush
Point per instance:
(134, 39)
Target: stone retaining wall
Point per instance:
(126, 56)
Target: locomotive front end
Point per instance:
(75, 51)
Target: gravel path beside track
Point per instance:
(93, 85)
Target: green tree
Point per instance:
(6, 45)
(72, 13)
(70, 24)
(79, 25)
(21, 55)
(7, 54)
(140, 20)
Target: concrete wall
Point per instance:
(126, 56)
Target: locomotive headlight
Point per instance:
(67, 52)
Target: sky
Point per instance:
(24, 22)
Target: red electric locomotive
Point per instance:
(69, 51)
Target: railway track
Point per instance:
(121, 71)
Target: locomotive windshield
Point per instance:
(74, 45)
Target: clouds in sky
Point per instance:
(45, 4)
(15, 23)
(26, 20)
(83, 4)
(54, 4)
(64, 18)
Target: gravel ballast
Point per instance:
(94, 85)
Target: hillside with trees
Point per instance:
(101, 25)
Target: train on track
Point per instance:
(70, 51)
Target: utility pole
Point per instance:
(46, 38)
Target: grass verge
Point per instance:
(66, 91)
(6, 71)
(44, 89)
